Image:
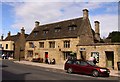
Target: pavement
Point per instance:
(59, 67)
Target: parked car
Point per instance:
(85, 67)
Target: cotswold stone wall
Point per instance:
(102, 55)
(20, 47)
(56, 52)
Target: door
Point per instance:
(83, 55)
(46, 55)
(110, 59)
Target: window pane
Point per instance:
(30, 54)
(6, 46)
(41, 44)
(66, 44)
(83, 63)
(31, 45)
(51, 44)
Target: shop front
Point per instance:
(107, 55)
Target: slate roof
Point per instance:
(14, 37)
(64, 32)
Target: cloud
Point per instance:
(59, 0)
(26, 13)
(0, 19)
(108, 23)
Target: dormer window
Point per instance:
(57, 29)
(45, 31)
(72, 27)
(35, 33)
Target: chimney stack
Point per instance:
(22, 30)
(37, 23)
(85, 13)
(97, 30)
(9, 34)
(2, 37)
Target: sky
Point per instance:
(16, 14)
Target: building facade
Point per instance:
(7, 48)
(71, 38)
(107, 54)
(59, 40)
(17, 43)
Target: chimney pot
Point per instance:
(97, 22)
(97, 27)
(37, 23)
(22, 30)
(9, 34)
(2, 37)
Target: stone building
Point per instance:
(71, 38)
(6, 47)
(106, 52)
(59, 40)
(16, 43)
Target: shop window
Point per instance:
(69, 55)
(96, 55)
(66, 55)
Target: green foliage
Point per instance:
(114, 36)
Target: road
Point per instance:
(14, 71)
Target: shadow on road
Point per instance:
(4, 66)
(8, 76)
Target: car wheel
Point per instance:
(70, 70)
(95, 73)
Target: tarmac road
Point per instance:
(13, 71)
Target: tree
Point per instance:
(114, 36)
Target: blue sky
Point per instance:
(18, 14)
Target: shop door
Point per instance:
(110, 59)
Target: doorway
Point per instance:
(109, 59)
(46, 55)
(83, 55)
